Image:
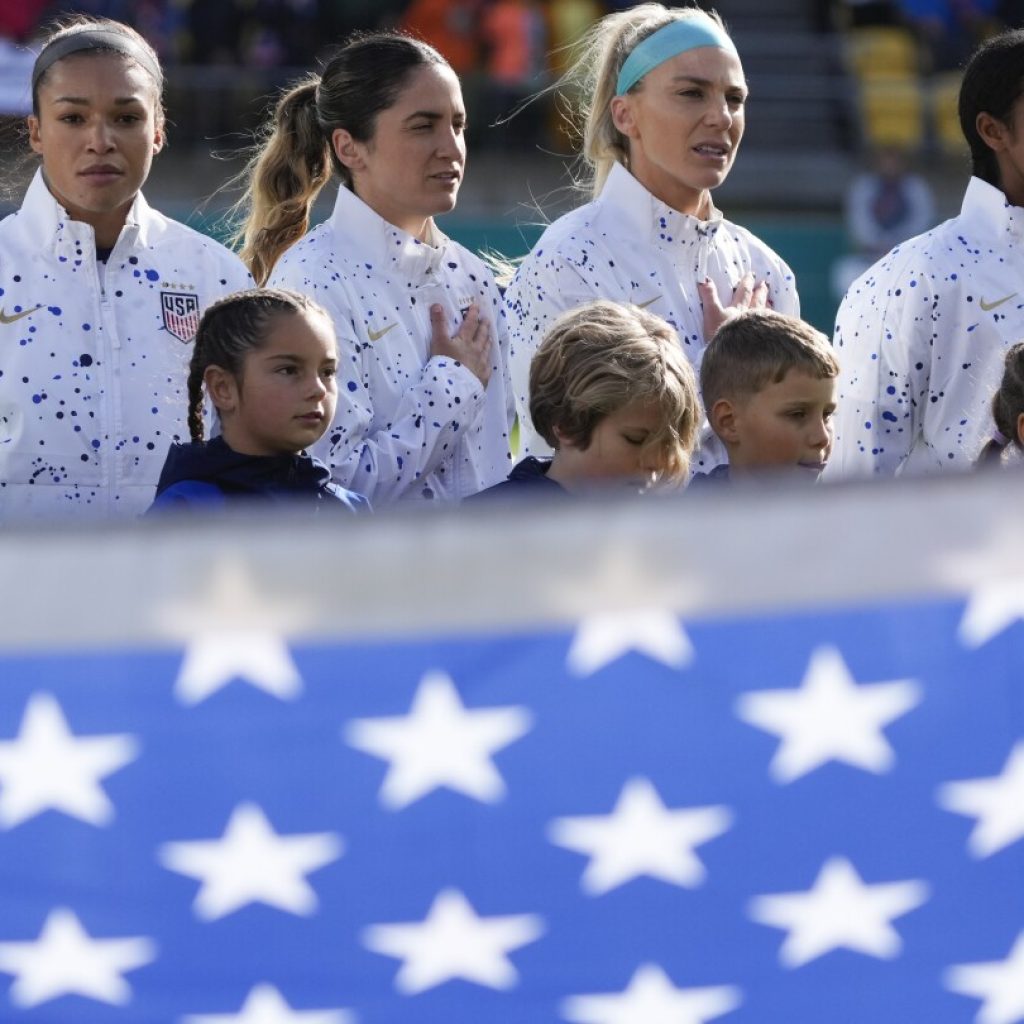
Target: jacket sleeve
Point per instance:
(545, 286)
(384, 461)
(882, 341)
(782, 291)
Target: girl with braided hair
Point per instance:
(267, 359)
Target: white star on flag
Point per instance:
(602, 639)
(454, 942)
(232, 632)
(998, 983)
(251, 863)
(49, 768)
(997, 803)
(840, 911)
(265, 1005)
(829, 718)
(640, 837)
(439, 743)
(216, 658)
(991, 608)
(651, 998)
(64, 960)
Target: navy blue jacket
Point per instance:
(528, 479)
(209, 474)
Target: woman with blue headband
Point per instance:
(663, 102)
(100, 295)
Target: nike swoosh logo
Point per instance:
(986, 306)
(649, 302)
(6, 318)
(377, 335)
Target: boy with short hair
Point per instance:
(768, 381)
(614, 396)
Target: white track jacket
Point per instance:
(409, 427)
(94, 361)
(629, 247)
(921, 338)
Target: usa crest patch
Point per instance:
(181, 314)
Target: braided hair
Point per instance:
(231, 328)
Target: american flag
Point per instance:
(785, 818)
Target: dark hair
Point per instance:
(993, 81)
(1007, 406)
(758, 348)
(231, 328)
(134, 48)
(293, 162)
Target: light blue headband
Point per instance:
(676, 37)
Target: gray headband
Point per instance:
(93, 39)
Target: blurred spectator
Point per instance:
(339, 18)
(499, 47)
(950, 29)
(15, 79)
(858, 13)
(213, 27)
(515, 44)
(20, 18)
(451, 27)
(884, 206)
(567, 21)
(1011, 13)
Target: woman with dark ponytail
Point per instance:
(427, 408)
(100, 295)
(1007, 439)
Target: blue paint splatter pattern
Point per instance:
(92, 386)
(409, 428)
(627, 246)
(921, 338)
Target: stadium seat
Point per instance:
(881, 52)
(892, 111)
(945, 92)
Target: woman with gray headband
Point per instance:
(662, 106)
(100, 295)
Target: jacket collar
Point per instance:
(377, 240)
(987, 205)
(214, 462)
(648, 217)
(49, 224)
